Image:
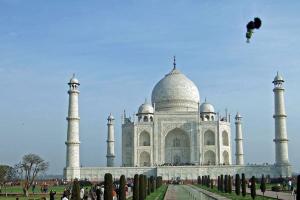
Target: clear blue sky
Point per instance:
(120, 49)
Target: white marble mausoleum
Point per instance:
(177, 135)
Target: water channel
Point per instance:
(185, 192)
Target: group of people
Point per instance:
(96, 192)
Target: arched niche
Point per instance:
(144, 159)
(226, 157)
(225, 139)
(209, 138)
(144, 139)
(209, 158)
(177, 147)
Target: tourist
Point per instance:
(98, 192)
(81, 193)
(86, 194)
(52, 194)
(33, 188)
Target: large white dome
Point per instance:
(175, 92)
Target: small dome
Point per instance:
(74, 80)
(207, 108)
(238, 116)
(175, 92)
(146, 108)
(278, 78)
(110, 117)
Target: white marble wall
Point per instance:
(184, 172)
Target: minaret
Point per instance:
(281, 141)
(72, 169)
(239, 155)
(110, 141)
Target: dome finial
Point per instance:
(174, 62)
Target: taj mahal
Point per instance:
(177, 135)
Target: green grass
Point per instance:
(21, 197)
(19, 190)
(158, 194)
(233, 195)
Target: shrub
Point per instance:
(199, 180)
(208, 181)
(108, 187)
(135, 195)
(243, 185)
(75, 190)
(263, 185)
(229, 184)
(151, 184)
(141, 187)
(237, 184)
(212, 184)
(122, 192)
(146, 186)
(226, 184)
(298, 187)
(275, 188)
(221, 183)
(253, 189)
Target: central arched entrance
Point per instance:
(177, 147)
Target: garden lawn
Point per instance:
(19, 190)
(233, 195)
(158, 194)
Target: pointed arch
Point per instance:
(145, 159)
(226, 157)
(209, 138)
(225, 139)
(209, 158)
(177, 147)
(144, 139)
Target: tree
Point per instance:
(221, 183)
(229, 184)
(199, 180)
(298, 187)
(237, 184)
(30, 166)
(108, 187)
(149, 186)
(152, 184)
(263, 185)
(243, 185)
(141, 187)
(212, 184)
(7, 174)
(135, 195)
(226, 184)
(208, 181)
(253, 189)
(75, 190)
(122, 192)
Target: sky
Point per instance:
(119, 50)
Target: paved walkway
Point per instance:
(281, 195)
(189, 192)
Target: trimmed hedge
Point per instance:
(135, 195)
(108, 187)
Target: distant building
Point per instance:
(177, 136)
